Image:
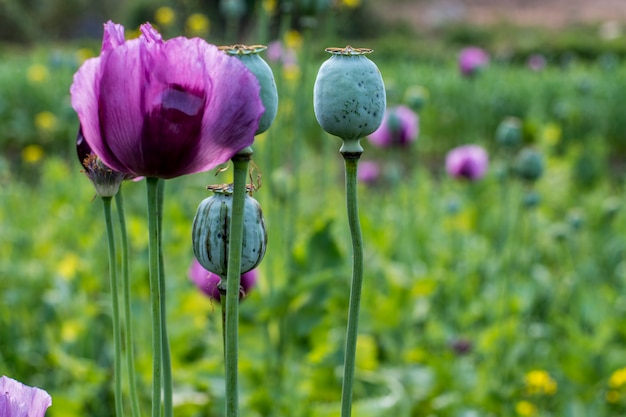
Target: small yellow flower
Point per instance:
(45, 121)
(32, 154)
(540, 382)
(613, 396)
(68, 266)
(37, 73)
(525, 409)
(368, 352)
(551, 134)
(84, 54)
(618, 378)
(423, 287)
(293, 39)
(164, 16)
(291, 73)
(269, 6)
(197, 25)
(352, 4)
(70, 330)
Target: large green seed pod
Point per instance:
(349, 94)
(211, 230)
(249, 56)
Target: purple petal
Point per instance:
(467, 161)
(368, 172)
(120, 109)
(409, 124)
(113, 36)
(19, 400)
(84, 98)
(150, 34)
(207, 282)
(400, 127)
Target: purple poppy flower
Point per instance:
(368, 172)
(467, 161)
(155, 108)
(277, 53)
(207, 281)
(399, 127)
(472, 60)
(536, 62)
(19, 400)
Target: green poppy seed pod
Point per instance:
(416, 97)
(529, 165)
(509, 132)
(211, 229)
(249, 56)
(349, 96)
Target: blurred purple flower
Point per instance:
(536, 62)
(467, 161)
(19, 400)
(278, 54)
(368, 172)
(155, 108)
(399, 127)
(207, 281)
(461, 346)
(472, 60)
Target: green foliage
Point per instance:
(500, 297)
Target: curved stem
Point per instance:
(240, 164)
(351, 162)
(168, 405)
(119, 409)
(130, 355)
(155, 292)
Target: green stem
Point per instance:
(155, 292)
(130, 355)
(351, 157)
(119, 409)
(168, 405)
(240, 164)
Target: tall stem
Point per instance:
(351, 158)
(129, 345)
(240, 164)
(117, 342)
(154, 249)
(168, 405)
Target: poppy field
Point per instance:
(492, 216)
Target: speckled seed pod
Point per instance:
(211, 229)
(249, 56)
(349, 94)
